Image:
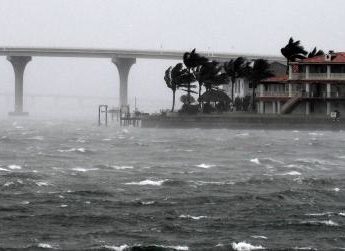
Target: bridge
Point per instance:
(122, 59)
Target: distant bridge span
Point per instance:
(123, 59)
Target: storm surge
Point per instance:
(76, 186)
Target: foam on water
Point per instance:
(259, 237)
(244, 246)
(147, 182)
(322, 222)
(122, 167)
(81, 169)
(41, 183)
(4, 169)
(255, 161)
(45, 245)
(336, 189)
(117, 248)
(14, 167)
(203, 165)
(147, 202)
(192, 217)
(292, 173)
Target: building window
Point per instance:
(318, 69)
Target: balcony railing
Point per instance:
(318, 76)
(302, 94)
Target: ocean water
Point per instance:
(76, 186)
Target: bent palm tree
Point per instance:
(256, 73)
(235, 69)
(193, 61)
(315, 53)
(292, 51)
(210, 75)
(182, 78)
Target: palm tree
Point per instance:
(315, 53)
(170, 84)
(193, 61)
(292, 51)
(210, 75)
(178, 77)
(235, 68)
(258, 71)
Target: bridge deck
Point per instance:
(126, 53)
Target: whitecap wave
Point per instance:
(192, 217)
(259, 237)
(41, 183)
(341, 214)
(8, 183)
(292, 173)
(203, 165)
(147, 202)
(336, 189)
(117, 248)
(4, 169)
(45, 245)
(320, 214)
(80, 169)
(147, 183)
(244, 246)
(255, 161)
(80, 150)
(122, 167)
(322, 222)
(14, 167)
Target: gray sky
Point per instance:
(249, 26)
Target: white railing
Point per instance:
(340, 76)
(273, 94)
(318, 76)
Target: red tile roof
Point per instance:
(276, 79)
(336, 58)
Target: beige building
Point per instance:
(314, 86)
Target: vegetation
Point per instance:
(257, 72)
(315, 52)
(236, 68)
(292, 51)
(178, 77)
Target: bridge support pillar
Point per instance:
(18, 63)
(123, 65)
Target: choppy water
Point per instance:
(75, 186)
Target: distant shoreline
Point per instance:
(244, 121)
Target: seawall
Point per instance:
(244, 121)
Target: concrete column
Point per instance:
(290, 71)
(123, 65)
(328, 71)
(328, 96)
(274, 110)
(328, 90)
(307, 104)
(307, 72)
(18, 63)
(290, 90)
(278, 107)
(261, 107)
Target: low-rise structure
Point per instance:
(314, 86)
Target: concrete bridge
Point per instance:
(123, 59)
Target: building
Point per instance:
(314, 86)
(243, 87)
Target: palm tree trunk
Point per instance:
(200, 90)
(173, 104)
(232, 89)
(253, 97)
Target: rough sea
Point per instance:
(75, 186)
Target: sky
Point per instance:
(238, 26)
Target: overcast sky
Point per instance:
(242, 26)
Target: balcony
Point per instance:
(318, 76)
(303, 94)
